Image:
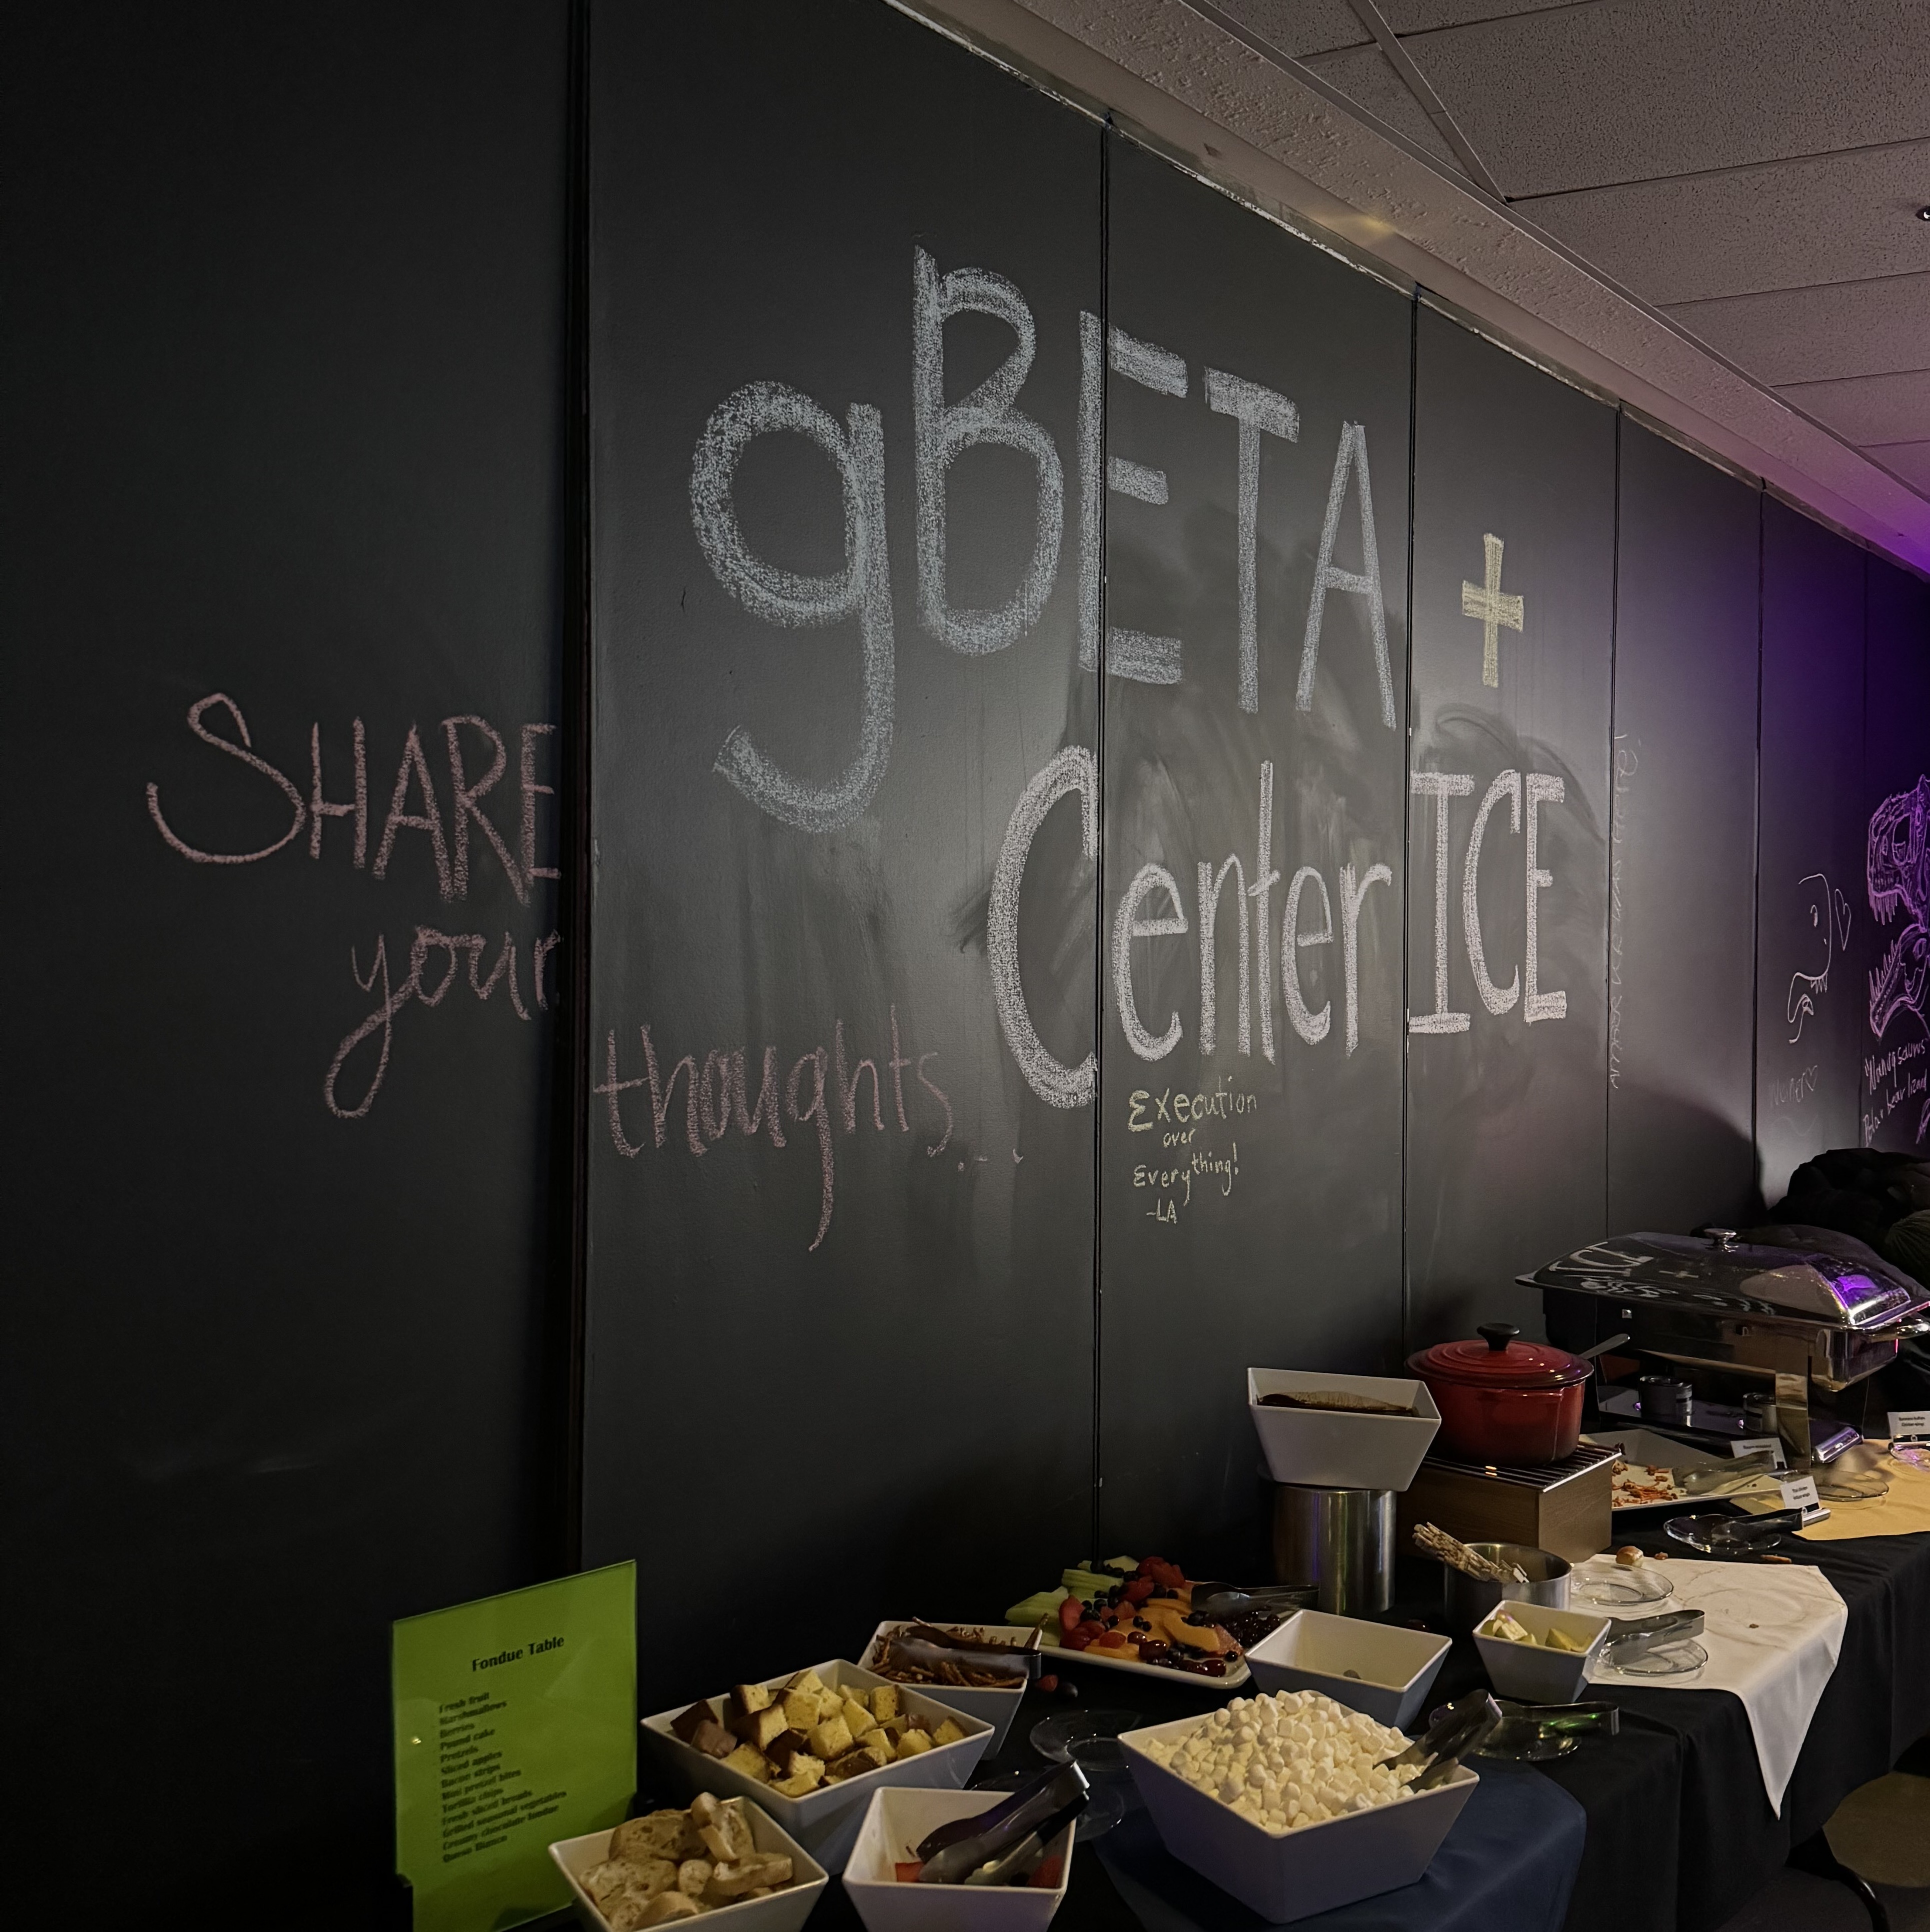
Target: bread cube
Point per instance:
(692, 1876)
(947, 1733)
(879, 1739)
(751, 1762)
(749, 1697)
(808, 1681)
(800, 1709)
(854, 1763)
(913, 1741)
(784, 1748)
(759, 1727)
(806, 1774)
(884, 1702)
(830, 1739)
(857, 1718)
(829, 1704)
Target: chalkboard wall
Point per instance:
(1155, 803)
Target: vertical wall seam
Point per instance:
(578, 690)
(1406, 832)
(1756, 868)
(1099, 874)
(1614, 826)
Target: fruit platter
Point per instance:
(1135, 1614)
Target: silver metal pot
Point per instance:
(1341, 1540)
(1466, 1601)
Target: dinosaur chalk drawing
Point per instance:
(1898, 873)
(1829, 915)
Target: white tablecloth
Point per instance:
(1772, 1632)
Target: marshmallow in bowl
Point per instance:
(1291, 1758)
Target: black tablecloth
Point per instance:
(1680, 1834)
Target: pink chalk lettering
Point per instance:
(613, 1086)
(815, 1060)
(320, 808)
(931, 1152)
(663, 1093)
(466, 809)
(532, 791)
(245, 753)
(766, 1109)
(538, 961)
(430, 820)
(898, 1064)
(847, 1086)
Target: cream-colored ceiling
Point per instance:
(1751, 168)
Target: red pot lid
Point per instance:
(1499, 1360)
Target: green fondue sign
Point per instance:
(515, 1726)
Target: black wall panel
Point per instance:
(283, 374)
(1895, 898)
(1682, 909)
(1810, 915)
(1514, 512)
(847, 1357)
(1250, 1165)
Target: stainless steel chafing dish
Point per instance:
(1793, 1315)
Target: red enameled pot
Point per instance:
(1503, 1400)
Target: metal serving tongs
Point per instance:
(991, 1847)
(1221, 1600)
(1637, 1637)
(1463, 1726)
(1528, 1733)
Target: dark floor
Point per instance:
(1795, 1902)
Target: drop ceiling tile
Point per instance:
(1910, 460)
(1417, 17)
(1790, 225)
(1806, 335)
(1367, 77)
(1867, 409)
(1300, 27)
(1586, 96)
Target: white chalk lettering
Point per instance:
(1498, 1000)
(1128, 926)
(1257, 411)
(1353, 895)
(1440, 786)
(1261, 892)
(1352, 455)
(794, 601)
(1075, 769)
(1210, 888)
(942, 431)
(1311, 1027)
(1138, 654)
(1542, 789)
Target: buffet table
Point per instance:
(1674, 1830)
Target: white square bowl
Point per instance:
(783, 1911)
(996, 1708)
(1530, 1674)
(1294, 1874)
(895, 1822)
(825, 1821)
(1337, 1448)
(1393, 1669)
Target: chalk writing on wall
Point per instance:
(452, 842)
(1897, 879)
(1829, 915)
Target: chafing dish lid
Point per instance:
(1797, 1280)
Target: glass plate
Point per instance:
(1667, 1660)
(1614, 1586)
(1918, 1453)
(1722, 1535)
(1091, 1739)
